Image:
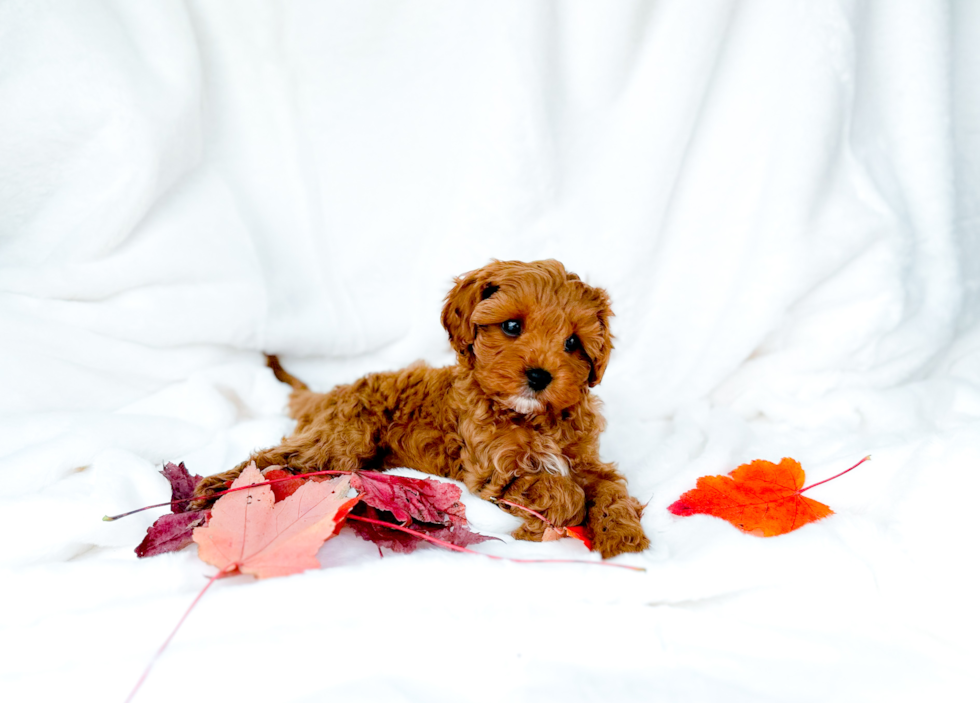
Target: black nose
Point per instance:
(538, 379)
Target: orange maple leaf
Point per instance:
(250, 532)
(760, 498)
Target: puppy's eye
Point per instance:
(572, 343)
(512, 328)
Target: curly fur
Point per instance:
(480, 422)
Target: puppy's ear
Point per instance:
(470, 289)
(599, 345)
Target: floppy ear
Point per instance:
(602, 345)
(470, 289)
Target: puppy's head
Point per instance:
(534, 335)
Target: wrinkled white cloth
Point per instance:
(781, 199)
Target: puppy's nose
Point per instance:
(538, 379)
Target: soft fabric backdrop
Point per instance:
(780, 197)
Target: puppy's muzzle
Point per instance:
(537, 379)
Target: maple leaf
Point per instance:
(760, 498)
(171, 533)
(250, 532)
(455, 533)
(429, 507)
(407, 498)
(175, 530)
(182, 485)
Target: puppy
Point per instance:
(513, 419)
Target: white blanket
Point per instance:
(781, 199)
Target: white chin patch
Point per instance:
(524, 405)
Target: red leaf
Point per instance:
(581, 533)
(175, 530)
(760, 498)
(249, 532)
(424, 505)
(282, 489)
(423, 500)
(456, 533)
(394, 540)
(182, 485)
(171, 532)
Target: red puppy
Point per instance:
(513, 419)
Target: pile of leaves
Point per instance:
(275, 507)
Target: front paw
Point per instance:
(559, 499)
(616, 528)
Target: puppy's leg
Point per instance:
(558, 498)
(613, 514)
(286, 455)
(336, 432)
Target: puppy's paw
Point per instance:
(559, 499)
(532, 530)
(616, 528)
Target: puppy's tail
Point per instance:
(273, 363)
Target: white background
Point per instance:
(780, 198)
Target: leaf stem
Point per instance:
(535, 513)
(110, 518)
(228, 569)
(456, 548)
(812, 485)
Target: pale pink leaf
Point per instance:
(252, 533)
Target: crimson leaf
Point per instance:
(171, 532)
(182, 484)
(457, 534)
(421, 500)
(175, 530)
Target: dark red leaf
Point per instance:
(457, 534)
(394, 540)
(182, 484)
(422, 500)
(175, 530)
(171, 532)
